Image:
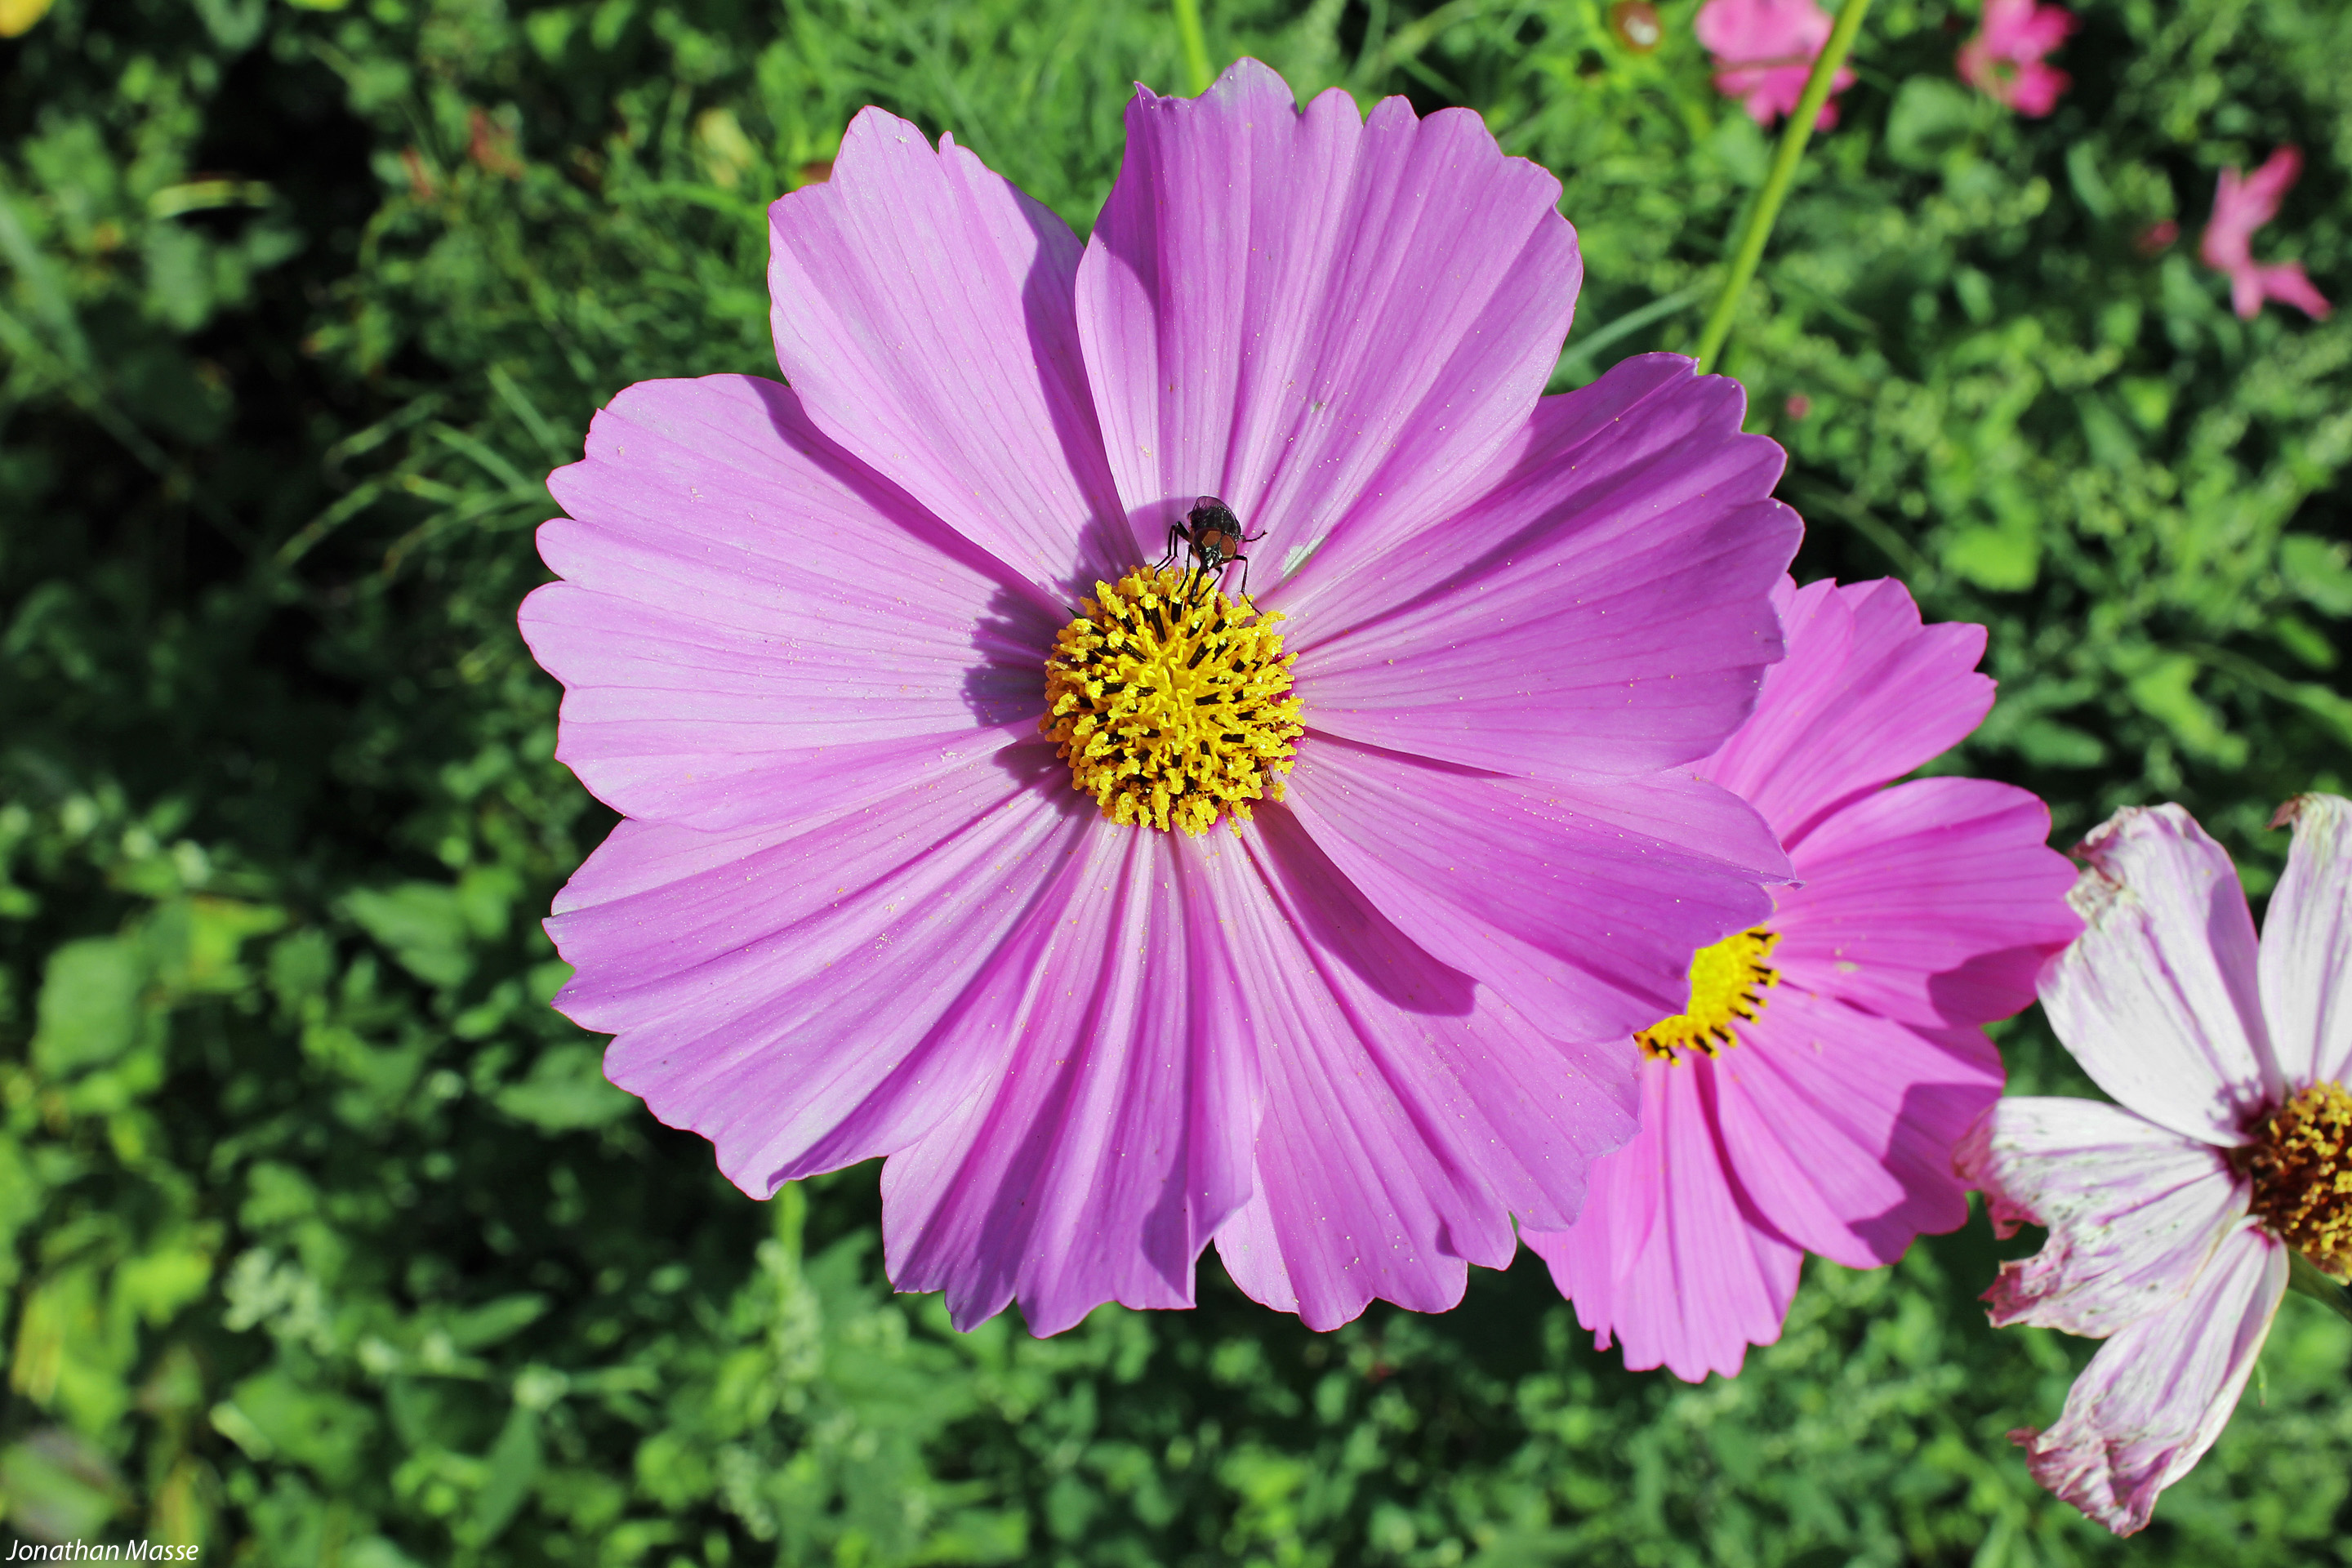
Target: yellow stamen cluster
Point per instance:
(1171, 708)
(1728, 982)
(2301, 1168)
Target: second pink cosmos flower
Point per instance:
(1809, 1094)
(839, 651)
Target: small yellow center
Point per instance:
(1728, 982)
(1171, 710)
(2301, 1168)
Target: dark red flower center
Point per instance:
(2300, 1165)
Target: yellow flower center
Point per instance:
(2301, 1168)
(1170, 709)
(1728, 982)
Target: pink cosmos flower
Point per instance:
(1808, 1097)
(1764, 50)
(2004, 58)
(2240, 205)
(861, 906)
(2171, 1213)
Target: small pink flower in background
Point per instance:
(1808, 1097)
(2157, 237)
(860, 906)
(2242, 204)
(2171, 1213)
(1764, 50)
(2004, 58)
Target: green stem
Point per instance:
(1196, 45)
(1760, 217)
(2304, 1275)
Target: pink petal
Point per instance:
(1114, 1136)
(2306, 952)
(751, 627)
(1769, 47)
(1866, 694)
(2158, 1393)
(2025, 31)
(1840, 1126)
(1579, 903)
(1407, 1115)
(1602, 608)
(2226, 241)
(793, 992)
(1934, 902)
(2242, 204)
(2036, 90)
(2135, 1210)
(2260, 194)
(2285, 283)
(1738, 31)
(1768, 94)
(1328, 321)
(2158, 998)
(2246, 291)
(926, 311)
(2004, 58)
(1667, 1257)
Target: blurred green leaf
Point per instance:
(425, 925)
(565, 1089)
(57, 1488)
(91, 1007)
(1929, 118)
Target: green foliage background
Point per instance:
(325, 1242)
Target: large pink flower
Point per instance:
(2004, 58)
(2171, 1213)
(1764, 50)
(2240, 205)
(1808, 1097)
(857, 907)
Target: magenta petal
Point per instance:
(1604, 606)
(1934, 902)
(2159, 998)
(2242, 204)
(1250, 1246)
(2288, 284)
(2306, 951)
(1667, 1259)
(1621, 1207)
(1327, 322)
(791, 992)
(751, 627)
(1407, 1115)
(926, 311)
(2159, 1392)
(1579, 903)
(1866, 694)
(1094, 1163)
(2135, 1210)
(1841, 1125)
